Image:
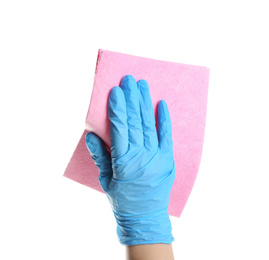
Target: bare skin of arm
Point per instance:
(150, 252)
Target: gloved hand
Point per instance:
(138, 174)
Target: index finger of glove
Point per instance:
(118, 122)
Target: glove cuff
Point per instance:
(146, 229)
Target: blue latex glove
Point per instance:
(138, 174)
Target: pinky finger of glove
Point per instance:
(164, 127)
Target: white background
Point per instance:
(48, 51)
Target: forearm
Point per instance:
(150, 252)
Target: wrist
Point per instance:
(144, 229)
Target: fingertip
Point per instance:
(90, 142)
(163, 103)
(127, 78)
(142, 85)
(88, 137)
(128, 82)
(116, 94)
(163, 108)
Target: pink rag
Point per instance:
(183, 87)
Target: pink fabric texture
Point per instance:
(183, 87)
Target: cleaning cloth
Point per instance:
(183, 87)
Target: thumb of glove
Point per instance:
(101, 157)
